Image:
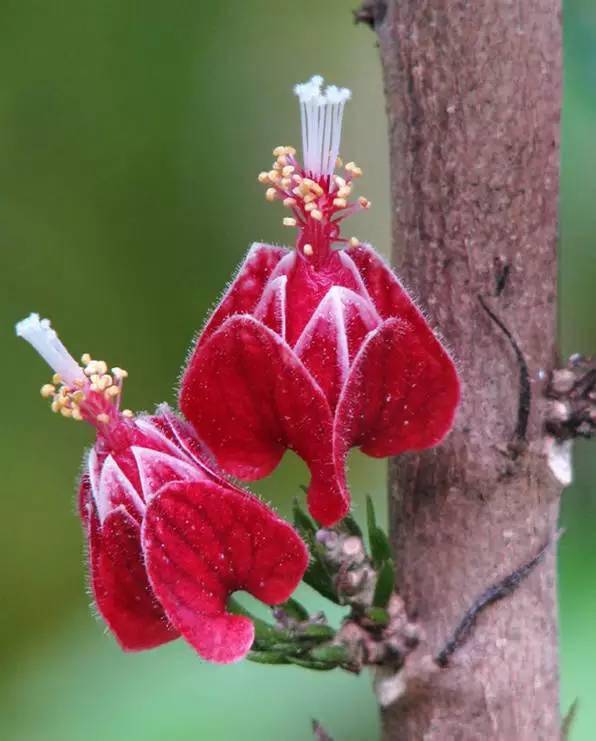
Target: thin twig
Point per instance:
(493, 594)
(525, 390)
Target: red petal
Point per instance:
(307, 287)
(383, 286)
(247, 287)
(203, 541)
(401, 394)
(333, 336)
(111, 488)
(122, 592)
(271, 309)
(249, 397)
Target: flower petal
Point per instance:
(119, 581)
(271, 309)
(247, 287)
(401, 394)
(112, 488)
(387, 293)
(203, 541)
(332, 337)
(249, 397)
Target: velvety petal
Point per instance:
(111, 488)
(203, 541)
(249, 397)
(332, 337)
(157, 468)
(120, 586)
(247, 287)
(271, 309)
(387, 293)
(401, 394)
(307, 287)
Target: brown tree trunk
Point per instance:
(473, 97)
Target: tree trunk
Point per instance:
(473, 96)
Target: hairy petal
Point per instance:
(250, 398)
(247, 287)
(203, 541)
(332, 337)
(120, 586)
(401, 394)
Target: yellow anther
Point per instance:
(288, 170)
(316, 214)
(119, 373)
(56, 379)
(127, 413)
(354, 241)
(364, 202)
(353, 169)
(77, 397)
(66, 412)
(286, 183)
(85, 358)
(55, 407)
(76, 414)
(278, 151)
(290, 150)
(289, 221)
(263, 177)
(270, 194)
(339, 181)
(310, 198)
(308, 250)
(310, 207)
(47, 390)
(340, 202)
(276, 166)
(103, 418)
(282, 161)
(344, 191)
(111, 392)
(274, 176)
(102, 367)
(289, 202)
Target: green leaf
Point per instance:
(317, 575)
(350, 525)
(378, 615)
(330, 653)
(321, 632)
(321, 666)
(379, 543)
(303, 523)
(385, 584)
(295, 610)
(267, 657)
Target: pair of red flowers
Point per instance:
(316, 349)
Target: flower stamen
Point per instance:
(87, 392)
(317, 198)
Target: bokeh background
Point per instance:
(130, 137)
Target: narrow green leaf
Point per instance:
(265, 634)
(321, 666)
(267, 657)
(350, 525)
(378, 615)
(379, 543)
(385, 584)
(321, 632)
(295, 610)
(330, 653)
(317, 575)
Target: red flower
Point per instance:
(168, 538)
(317, 349)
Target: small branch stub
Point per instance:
(572, 396)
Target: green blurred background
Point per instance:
(130, 138)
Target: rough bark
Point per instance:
(473, 97)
